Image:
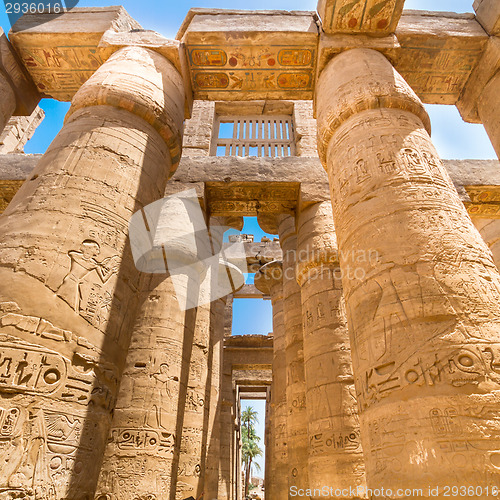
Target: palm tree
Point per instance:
(249, 418)
(250, 448)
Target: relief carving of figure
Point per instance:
(161, 394)
(83, 263)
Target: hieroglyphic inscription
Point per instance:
(59, 72)
(252, 68)
(372, 16)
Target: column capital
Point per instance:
(269, 279)
(145, 83)
(358, 80)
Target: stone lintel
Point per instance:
(483, 72)
(301, 180)
(438, 52)
(60, 51)
(248, 341)
(368, 16)
(249, 292)
(488, 15)
(27, 95)
(248, 55)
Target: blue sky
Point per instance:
(452, 137)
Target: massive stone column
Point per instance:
(488, 107)
(269, 280)
(213, 456)
(422, 292)
(334, 441)
(295, 380)
(69, 283)
(142, 456)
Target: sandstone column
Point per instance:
(269, 280)
(142, 456)
(422, 292)
(488, 107)
(213, 456)
(334, 446)
(227, 480)
(295, 381)
(69, 283)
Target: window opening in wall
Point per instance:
(253, 417)
(260, 135)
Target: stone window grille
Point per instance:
(260, 135)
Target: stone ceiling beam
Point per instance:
(477, 181)
(237, 55)
(488, 14)
(374, 17)
(19, 90)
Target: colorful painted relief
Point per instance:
(252, 68)
(60, 71)
(359, 15)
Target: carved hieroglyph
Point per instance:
(294, 353)
(334, 441)
(143, 439)
(423, 314)
(69, 284)
(269, 280)
(377, 17)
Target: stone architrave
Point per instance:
(294, 355)
(423, 293)
(18, 94)
(334, 441)
(269, 280)
(7, 101)
(488, 108)
(69, 284)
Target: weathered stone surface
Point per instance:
(488, 108)
(21, 92)
(19, 130)
(297, 443)
(488, 15)
(242, 55)
(269, 280)
(423, 311)
(486, 68)
(368, 16)
(489, 229)
(61, 51)
(335, 455)
(69, 284)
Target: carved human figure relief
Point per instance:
(160, 396)
(83, 263)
